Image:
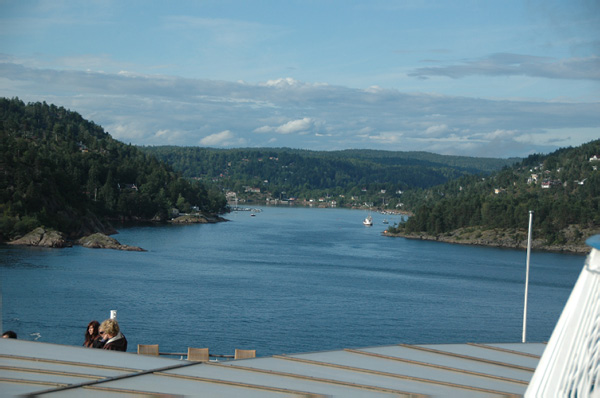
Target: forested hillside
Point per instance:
(344, 175)
(63, 172)
(562, 189)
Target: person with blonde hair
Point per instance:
(111, 334)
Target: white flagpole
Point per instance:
(527, 276)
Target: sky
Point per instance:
(489, 78)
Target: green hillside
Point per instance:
(351, 176)
(562, 189)
(63, 172)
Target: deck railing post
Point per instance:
(527, 277)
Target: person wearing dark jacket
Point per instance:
(112, 336)
(92, 335)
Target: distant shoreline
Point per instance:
(497, 238)
(42, 237)
(327, 206)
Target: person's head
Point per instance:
(9, 334)
(109, 328)
(93, 328)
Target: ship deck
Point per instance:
(37, 369)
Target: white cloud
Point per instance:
(282, 82)
(224, 138)
(436, 130)
(127, 131)
(500, 135)
(167, 135)
(387, 137)
(289, 82)
(373, 89)
(295, 126)
(264, 129)
(161, 110)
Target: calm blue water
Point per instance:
(288, 280)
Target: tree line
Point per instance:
(64, 172)
(303, 174)
(562, 189)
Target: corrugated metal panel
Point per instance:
(188, 387)
(80, 356)
(503, 358)
(364, 380)
(445, 370)
(402, 370)
(412, 355)
(278, 380)
(534, 350)
(65, 368)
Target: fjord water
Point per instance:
(285, 281)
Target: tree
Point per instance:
(65, 172)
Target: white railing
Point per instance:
(570, 365)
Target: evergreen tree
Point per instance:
(64, 172)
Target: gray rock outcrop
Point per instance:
(43, 238)
(197, 219)
(101, 241)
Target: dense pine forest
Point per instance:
(63, 172)
(562, 189)
(350, 177)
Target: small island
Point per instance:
(43, 238)
(101, 241)
(40, 237)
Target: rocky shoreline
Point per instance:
(42, 237)
(197, 219)
(101, 241)
(501, 238)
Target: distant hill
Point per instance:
(561, 188)
(468, 164)
(349, 176)
(61, 171)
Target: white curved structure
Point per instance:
(570, 365)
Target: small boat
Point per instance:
(385, 222)
(368, 221)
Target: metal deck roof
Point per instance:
(29, 368)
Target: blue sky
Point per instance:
(477, 78)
